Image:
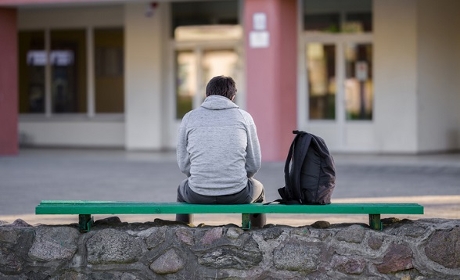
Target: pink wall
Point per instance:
(8, 83)
(272, 75)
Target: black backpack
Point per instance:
(309, 172)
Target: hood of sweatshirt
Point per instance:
(218, 102)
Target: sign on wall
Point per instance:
(259, 36)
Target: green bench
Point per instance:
(85, 209)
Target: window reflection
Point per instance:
(329, 22)
(68, 80)
(212, 63)
(362, 22)
(219, 62)
(343, 16)
(185, 82)
(358, 85)
(109, 84)
(321, 80)
(32, 61)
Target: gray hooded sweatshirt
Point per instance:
(218, 148)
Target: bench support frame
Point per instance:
(374, 222)
(85, 222)
(245, 221)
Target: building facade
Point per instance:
(379, 76)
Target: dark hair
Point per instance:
(221, 85)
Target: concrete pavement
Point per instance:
(87, 174)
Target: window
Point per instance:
(109, 83)
(206, 38)
(199, 13)
(358, 22)
(322, 22)
(186, 82)
(68, 70)
(344, 16)
(32, 61)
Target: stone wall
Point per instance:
(422, 249)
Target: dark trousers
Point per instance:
(253, 193)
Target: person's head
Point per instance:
(221, 85)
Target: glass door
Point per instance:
(337, 94)
(321, 75)
(195, 67)
(198, 53)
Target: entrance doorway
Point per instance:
(200, 53)
(336, 92)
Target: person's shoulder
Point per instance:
(190, 113)
(193, 116)
(243, 112)
(187, 116)
(247, 117)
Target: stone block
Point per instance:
(114, 246)
(443, 247)
(297, 255)
(169, 262)
(54, 243)
(398, 257)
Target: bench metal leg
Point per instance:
(374, 221)
(85, 221)
(246, 221)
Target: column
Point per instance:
(270, 28)
(395, 80)
(143, 76)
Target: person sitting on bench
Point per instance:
(219, 151)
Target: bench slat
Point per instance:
(119, 207)
(85, 209)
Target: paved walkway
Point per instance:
(73, 174)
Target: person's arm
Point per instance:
(183, 158)
(253, 155)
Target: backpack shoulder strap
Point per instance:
(291, 193)
(288, 163)
(286, 192)
(303, 140)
